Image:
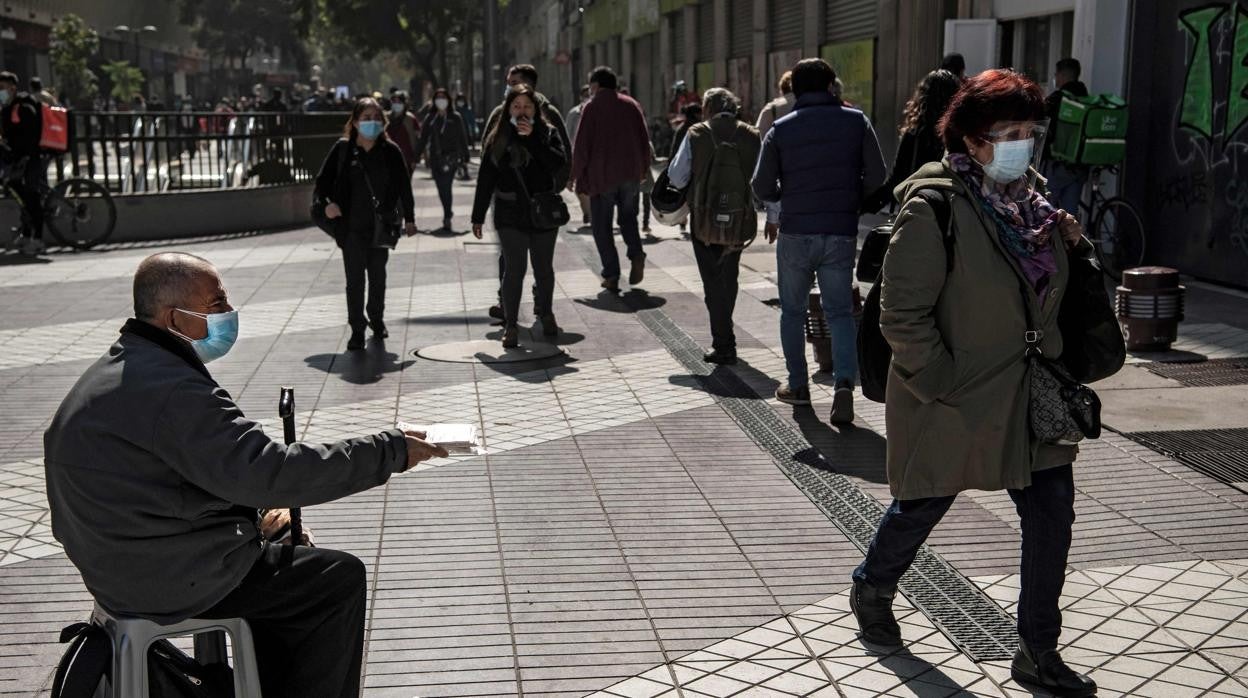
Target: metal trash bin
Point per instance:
(817, 332)
(1149, 305)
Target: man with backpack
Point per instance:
(817, 162)
(716, 161)
(21, 126)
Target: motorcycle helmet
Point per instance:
(669, 204)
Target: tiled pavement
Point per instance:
(624, 536)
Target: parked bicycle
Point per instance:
(79, 213)
(1117, 229)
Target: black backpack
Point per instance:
(85, 670)
(875, 356)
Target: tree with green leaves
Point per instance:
(237, 29)
(127, 80)
(73, 45)
(415, 29)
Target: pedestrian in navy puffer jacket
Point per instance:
(816, 163)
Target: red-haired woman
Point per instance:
(365, 173)
(958, 318)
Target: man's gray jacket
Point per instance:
(154, 476)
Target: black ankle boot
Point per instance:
(873, 609)
(1046, 670)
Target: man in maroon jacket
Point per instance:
(609, 162)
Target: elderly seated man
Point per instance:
(155, 475)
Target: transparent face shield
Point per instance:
(1017, 147)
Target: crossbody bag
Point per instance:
(387, 226)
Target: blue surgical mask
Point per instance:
(515, 121)
(4, 96)
(1010, 160)
(222, 333)
(370, 129)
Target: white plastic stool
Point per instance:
(133, 636)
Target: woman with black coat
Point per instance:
(444, 135)
(365, 158)
(520, 158)
(920, 140)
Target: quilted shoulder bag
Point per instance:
(1061, 411)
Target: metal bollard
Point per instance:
(1149, 305)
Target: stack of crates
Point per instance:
(1091, 130)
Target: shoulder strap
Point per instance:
(941, 207)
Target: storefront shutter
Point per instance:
(741, 28)
(848, 19)
(706, 31)
(787, 24)
(678, 36)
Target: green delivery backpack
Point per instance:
(1091, 130)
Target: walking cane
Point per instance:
(286, 410)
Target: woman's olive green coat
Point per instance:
(956, 406)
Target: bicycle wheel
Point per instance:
(80, 213)
(1118, 234)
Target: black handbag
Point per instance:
(387, 225)
(871, 258)
(547, 209)
(329, 226)
(1093, 347)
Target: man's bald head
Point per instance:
(169, 280)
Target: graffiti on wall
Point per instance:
(1210, 134)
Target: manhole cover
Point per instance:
(488, 351)
(1211, 373)
(1222, 454)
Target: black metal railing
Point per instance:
(138, 152)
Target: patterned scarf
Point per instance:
(1024, 222)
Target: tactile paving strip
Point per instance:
(972, 620)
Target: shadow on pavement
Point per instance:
(8, 260)
(727, 381)
(360, 367)
(848, 450)
(630, 301)
(923, 679)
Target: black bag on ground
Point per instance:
(875, 356)
(1093, 347)
(84, 669)
(173, 674)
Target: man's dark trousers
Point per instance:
(362, 261)
(625, 199)
(443, 180)
(719, 267)
(1046, 510)
(305, 607)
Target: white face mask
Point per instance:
(440, 103)
(1010, 159)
